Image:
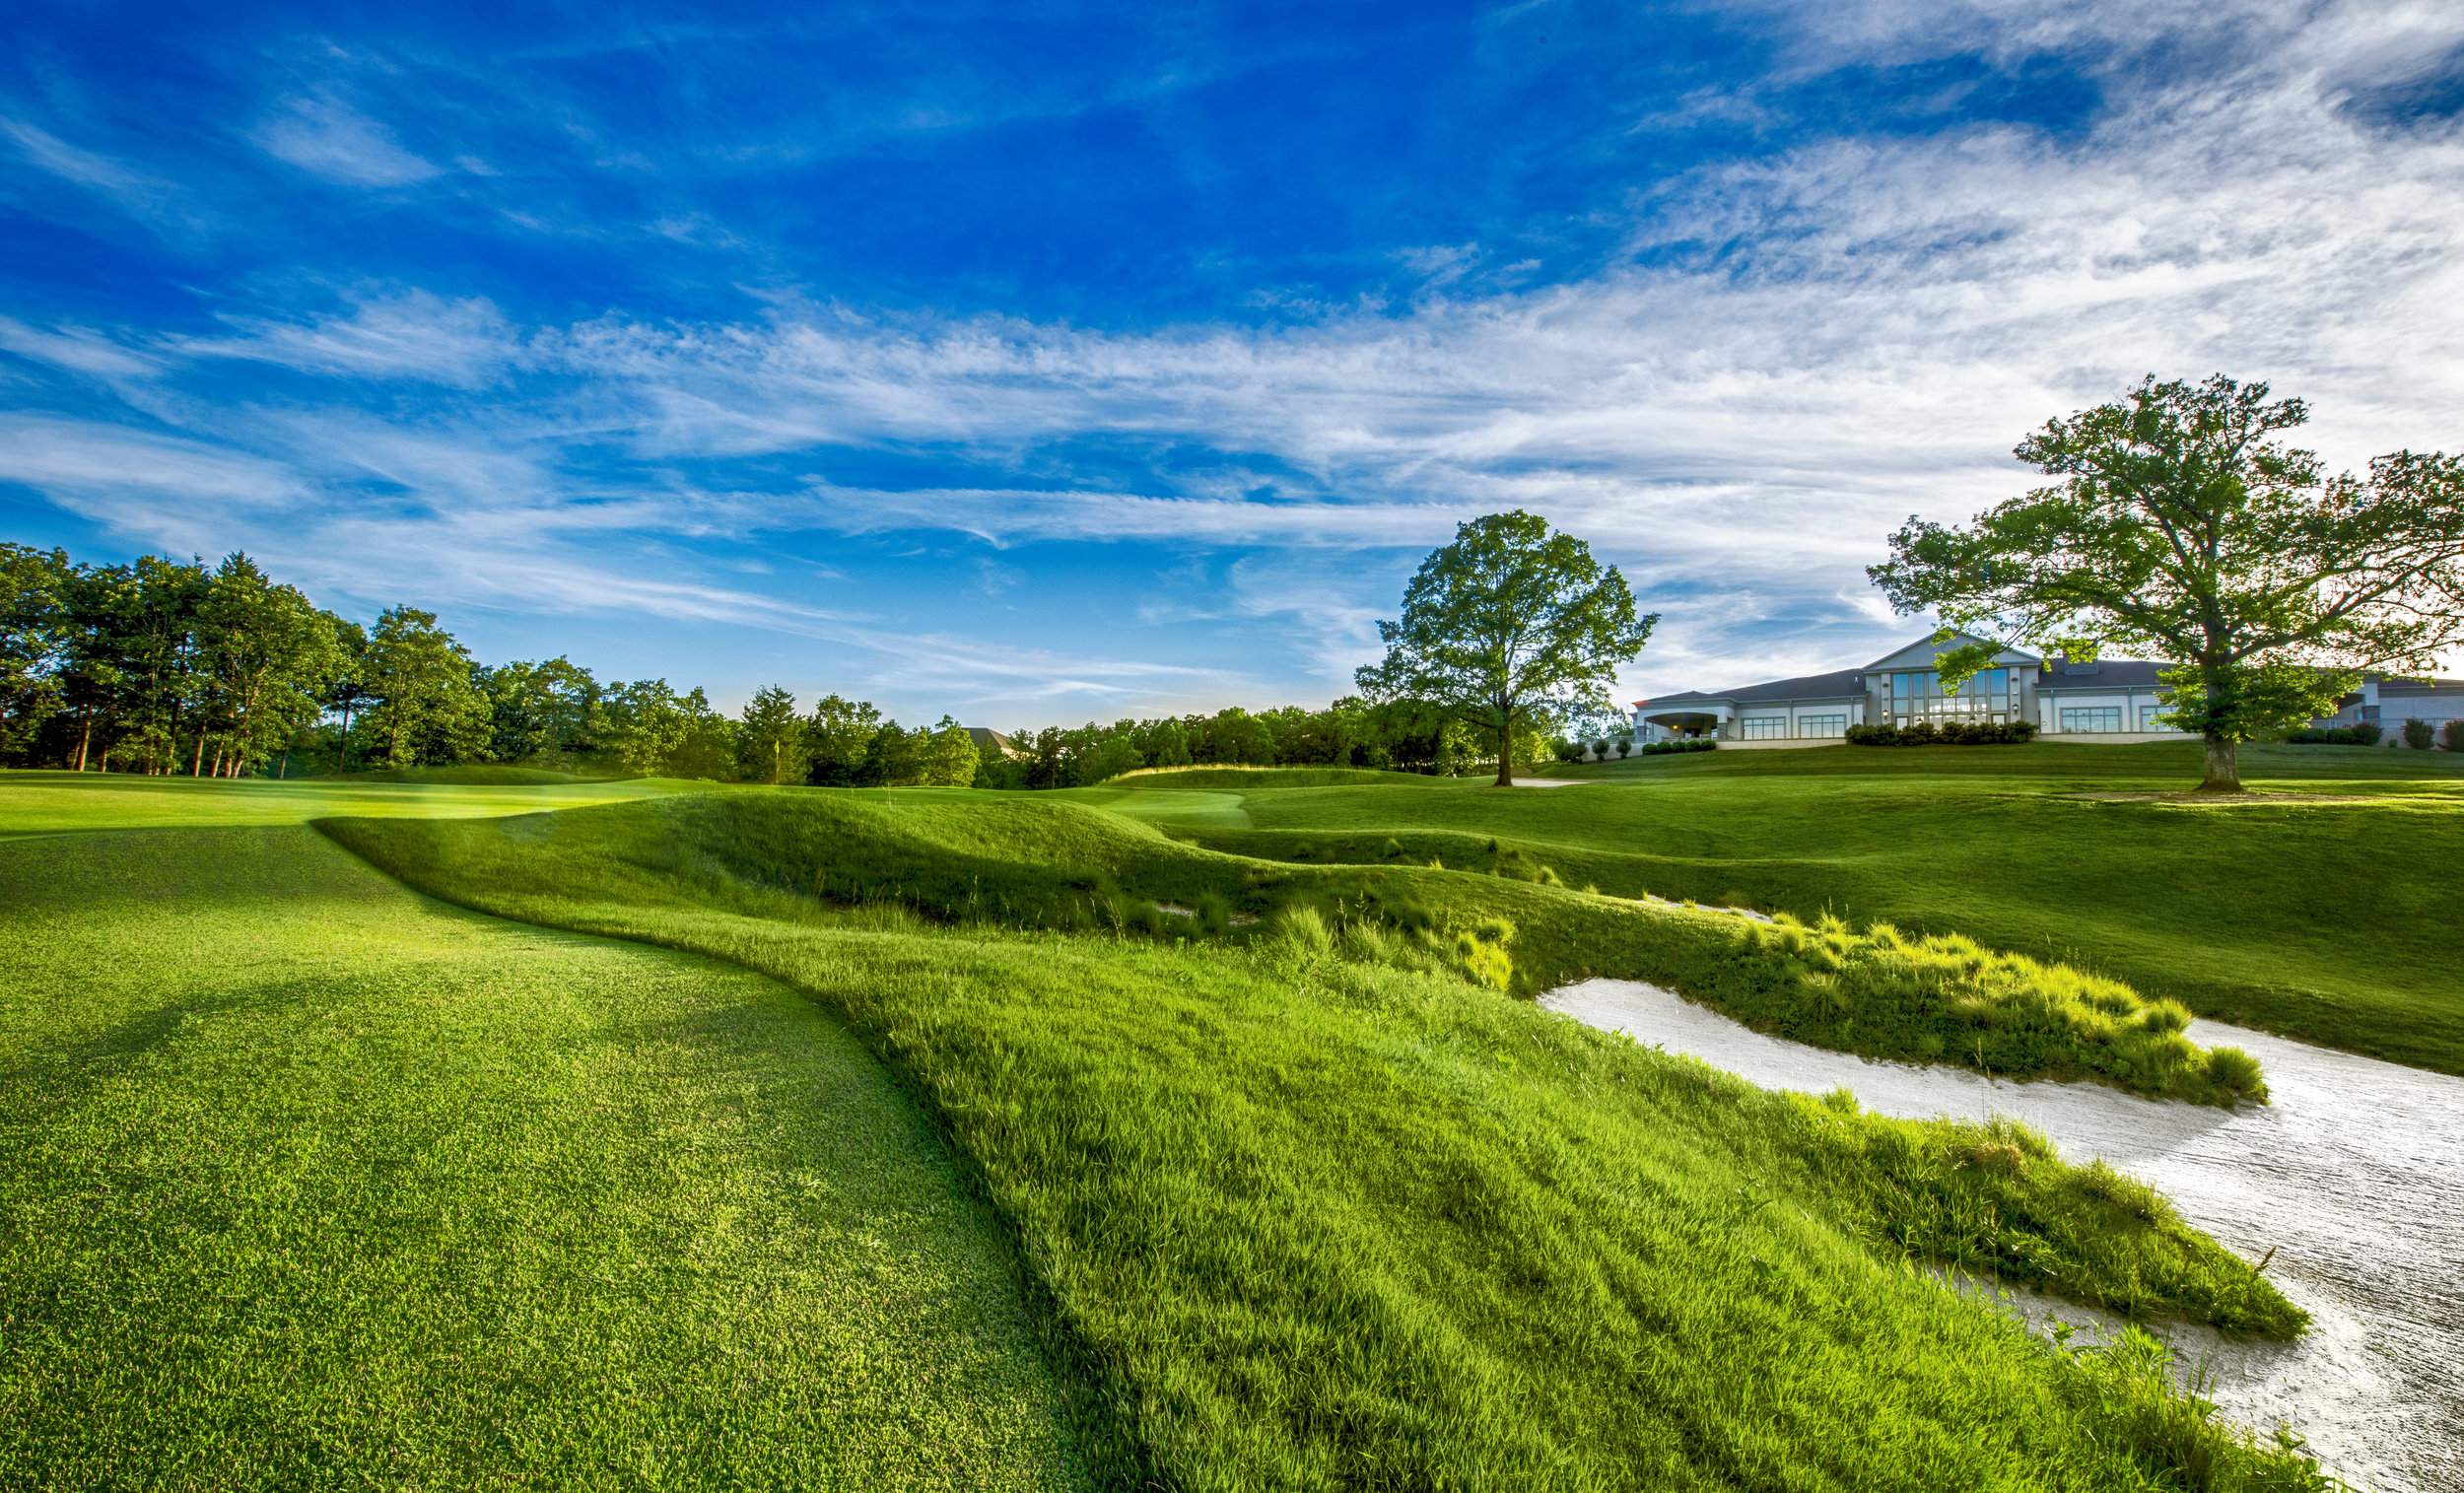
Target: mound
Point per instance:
(1224, 778)
(472, 775)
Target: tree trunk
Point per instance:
(197, 768)
(1505, 755)
(84, 737)
(2223, 768)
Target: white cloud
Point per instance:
(320, 133)
(76, 348)
(1884, 318)
(412, 334)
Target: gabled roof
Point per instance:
(1839, 684)
(1925, 649)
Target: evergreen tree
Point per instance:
(771, 738)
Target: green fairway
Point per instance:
(2332, 921)
(309, 1182)
(52, 804)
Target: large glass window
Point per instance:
(2092, 717)
(1822, 726)
(1762, 727)
(1916, 697)
(2156, 717)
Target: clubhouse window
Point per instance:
(1763, 728)
(2092, 717)
(2156, 717)
(1915, 697)
(1822, 726)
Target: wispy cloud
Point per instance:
(322, 134)
(1790, 353)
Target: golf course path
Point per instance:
(2353, 1175)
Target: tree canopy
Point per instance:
(2180, 529)
(1511, 627)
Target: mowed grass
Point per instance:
(55, 803)
(1309, 1222)
(309, 1182)
(2331, 921)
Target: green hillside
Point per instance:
(2332, 921)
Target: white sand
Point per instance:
(2355, 1176)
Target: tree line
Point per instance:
(162, 667)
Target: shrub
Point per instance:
(2451, 736)
(1944, 733)
(1303, 929)
(1689, 744)
(1626, 746)
(2236, 1070)
(1566, 751)
(2367, 733)
(2418, 735)
(1890, 993)
(1600, 749)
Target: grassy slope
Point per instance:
(307, 1181)
(52, 804)
(2328, 921)
(1038, 859)
(1312, 1224)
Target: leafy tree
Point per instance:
(1163, 743)
(891, 759)
(34, 634)
(771, 738)
(269, 655)
(708, 746)
(1231, 736)
(545, 713)
(655, 732)
(426, 710)
(1512, 627)
(839, 733)
(348, 690)
(946, 755)
(2180, 529)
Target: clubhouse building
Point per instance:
(2111, 701)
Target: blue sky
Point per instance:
(1039, 363)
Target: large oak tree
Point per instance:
(2180, 529)
(1512, 626)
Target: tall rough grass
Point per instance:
(1038, 863)
(1883, 993)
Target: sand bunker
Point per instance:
(2355, 1176)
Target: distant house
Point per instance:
(986, 738)
(2390, 703)
(2111, 700)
